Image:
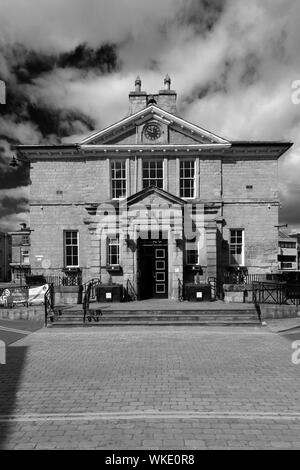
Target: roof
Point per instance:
(285, 237)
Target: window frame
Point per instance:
(108, 246)
(236, 244)
(114, 179)
(66, 265)
(182, 161)
(156, 161)
(25, 253)
(195, 243)
(24, 238)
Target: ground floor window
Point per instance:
(24, 256)
(236, 247)
(113, 251)
(192, 252)
(71, 248)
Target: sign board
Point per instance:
(14, 295)
(37, 295)
(199, 295)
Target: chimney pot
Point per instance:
(167, 82)
(138, 84)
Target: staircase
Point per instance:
(127, 315)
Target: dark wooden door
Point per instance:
(153, 269)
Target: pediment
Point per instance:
(153, 197)
(172, 130)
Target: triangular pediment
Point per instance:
(170, 129)
(153, 196)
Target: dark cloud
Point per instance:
(29, 117)
(30, 64)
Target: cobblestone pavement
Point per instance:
(150, 388)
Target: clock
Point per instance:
(152, 131)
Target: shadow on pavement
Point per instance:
(10, 375)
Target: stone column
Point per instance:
(175, 265)
(211, 247)
(94, 254)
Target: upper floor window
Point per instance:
(236, 247)
(113, 251)
(71, 245)
(118, 179)
(187, 178)
(153, 174)
(25, 239)
(287, 244)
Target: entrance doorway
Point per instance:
(153, 269)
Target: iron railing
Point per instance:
(180, 290)
(89, 293)
(217, 292)
(242, 278)
(130, 292)
(49, 304)
(74, 279)
(276, 293)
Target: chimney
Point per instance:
(137, 98)
(167, 97)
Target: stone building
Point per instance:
(287, 252)
(153, 200)
(20, 254)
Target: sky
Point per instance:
(68, 66)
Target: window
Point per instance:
(113, 251)
(25, 239)
(24, 256)
(118, 179)
(192, 254)
(153, 173)
(187, 178)
(236, 247)
(287, 245)
(71, 249)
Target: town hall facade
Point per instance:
(153, 200)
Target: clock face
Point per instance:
(152, 131)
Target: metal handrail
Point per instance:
(131, 293)
(180, 290)
(89, 290)
(49, 303)
(217, 288)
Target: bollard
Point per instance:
(2, 352)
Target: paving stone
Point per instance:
(145, 370)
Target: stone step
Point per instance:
(137, 313)
(113, 317)
(218, 322)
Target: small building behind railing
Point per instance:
(287, 252)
